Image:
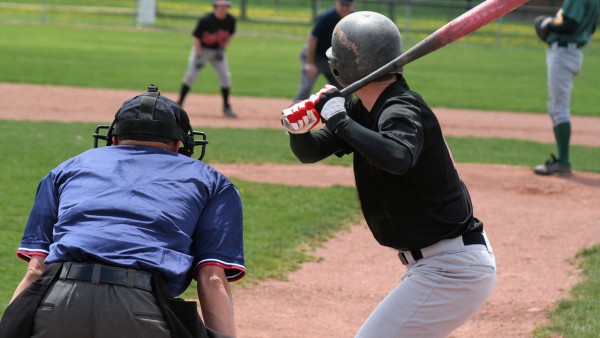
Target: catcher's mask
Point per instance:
(361, 43)
(152, 117)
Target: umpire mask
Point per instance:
(153, 117)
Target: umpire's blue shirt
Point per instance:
(138, 207)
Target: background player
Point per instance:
(312, 56)
(211, 37)
(117, 231)
(411, 195)
(566, 34)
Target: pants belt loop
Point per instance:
(96, 274)
(64, 272)
(130, 278)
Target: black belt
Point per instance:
(469, 238)
(566, 44)
(98, 273)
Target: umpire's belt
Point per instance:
(446, 245)
(98, 273)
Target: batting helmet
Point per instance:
(152, 117)
(362, 42)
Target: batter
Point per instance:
(411, 195)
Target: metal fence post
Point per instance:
(44, 9)
(146, 12)
(406, 20)
(243, 10)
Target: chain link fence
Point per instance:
(288, 18)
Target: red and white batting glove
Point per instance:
(328, 102)
(300, 118)
(331, 105)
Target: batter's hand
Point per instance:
(300, 118)
(328, 102)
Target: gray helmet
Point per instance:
(362, 42)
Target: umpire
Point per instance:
(116, 232)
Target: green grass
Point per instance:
(577, 316)
(519, 152)
(281, 227)
(471, 73)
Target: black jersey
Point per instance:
(410, 210)
(429, 202)
(214, 33)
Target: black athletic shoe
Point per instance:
(228, 112)
(553, 167)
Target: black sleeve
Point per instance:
(313, 147)
(568, 26)
(383, 152)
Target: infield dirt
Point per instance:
(536, 224)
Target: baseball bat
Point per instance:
(468, 22)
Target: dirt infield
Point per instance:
(536, 224)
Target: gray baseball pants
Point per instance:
(563, 64)
(437, 294)
(208, 55)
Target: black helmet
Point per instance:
(152, 117)
(362, 42)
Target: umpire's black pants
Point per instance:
(80, 309)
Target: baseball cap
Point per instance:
(221, 2)
(148, 117)
(346, 2)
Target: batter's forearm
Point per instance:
(312, 147)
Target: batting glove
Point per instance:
(300, 118)
(330, 104)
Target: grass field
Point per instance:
(474, 73)
(478, 72)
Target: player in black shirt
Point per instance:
(210, 40)
(411, 195)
